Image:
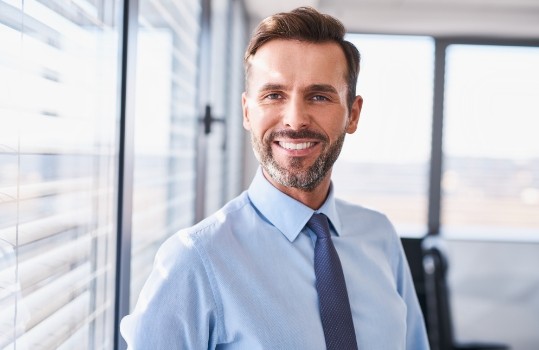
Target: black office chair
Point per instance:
(413, 249)
(437, 305)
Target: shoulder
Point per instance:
(185, 257)
(353, 213)
(374, 232)
(373, 228)
(191, 240)
(237, 210)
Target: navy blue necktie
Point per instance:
(332, 295)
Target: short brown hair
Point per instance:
(306, 24)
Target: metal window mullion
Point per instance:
(436, 161)
(125, 165)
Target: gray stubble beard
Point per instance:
(306, 180)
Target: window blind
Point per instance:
(58, 116)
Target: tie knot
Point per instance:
(320, 225)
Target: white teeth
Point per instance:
(289, 145)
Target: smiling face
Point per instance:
(296, 109)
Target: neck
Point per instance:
(313, 199)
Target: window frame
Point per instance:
(434, 224)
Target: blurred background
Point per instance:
(120, 123)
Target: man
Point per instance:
(255, 275)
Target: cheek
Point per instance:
(261, 121)
(334, 126)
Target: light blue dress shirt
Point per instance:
(244, 279)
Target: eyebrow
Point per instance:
(322, 88)
(271, 87)
(311, 88)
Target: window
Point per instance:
(384, 165)
(172, 152)
(166, 126)
(491, 167)
(58, 117)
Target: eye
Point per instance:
(319, 98)
(273, 96)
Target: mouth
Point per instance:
(295, 146)
(304, 143)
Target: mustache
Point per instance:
(301, 134)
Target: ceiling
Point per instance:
(442, 18)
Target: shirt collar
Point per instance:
(284, 212)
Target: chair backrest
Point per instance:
(438, 314)
(414, 255)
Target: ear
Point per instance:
(245, 110)
(354, 115)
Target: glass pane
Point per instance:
(165, 128)
(491, 166)
(58, 117)
(384, 165)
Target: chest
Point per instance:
(269, 298)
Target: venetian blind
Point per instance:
(58, 116)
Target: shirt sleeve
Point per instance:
(416, 334)
(176, 308)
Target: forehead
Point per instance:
(298, 62)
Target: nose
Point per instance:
(296, 115)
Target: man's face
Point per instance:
(296, 109)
